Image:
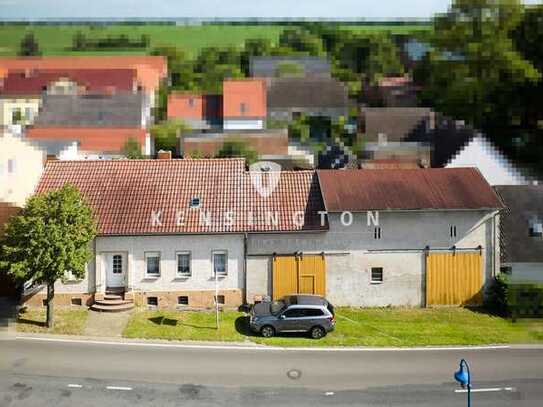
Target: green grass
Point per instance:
(68, 321)
(355, 327)
(184, 326)
(57, 39)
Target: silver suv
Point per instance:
(293, 313)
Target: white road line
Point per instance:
(329, 393)
(118, 388)
(75, 386)
(263, 347)
(485, 390)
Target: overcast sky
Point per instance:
(368, 9)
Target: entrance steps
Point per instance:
(113, 301)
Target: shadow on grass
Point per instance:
(175, 322)
(25, 321)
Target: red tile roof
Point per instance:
(91, 80)
(124, 194)
(100, 140)
(150, 69)
(194, 106)
(249, 93)
(434, 188)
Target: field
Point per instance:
(57, 39)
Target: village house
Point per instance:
(190, 233)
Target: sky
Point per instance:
(353, 9)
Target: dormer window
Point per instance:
(195, 202)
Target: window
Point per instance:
(313, 312)
(16, 116)
(452, 231)
(536, 227)
(183, 264)
(294, 313)
(152, 301)
(152, 261)
(195, 202)
(377, 233)
(219, 299)
(77, 301)
(117, 264)
(376, 275)
(28, 114)
(183, 300)
(219, 263)
(242, 108)
(191, 102)
(11, 166)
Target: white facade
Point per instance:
(243, 124)
(494, 166)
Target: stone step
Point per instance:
(113, 297)
(116, 301)
(112, 308)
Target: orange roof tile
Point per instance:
(244, 98)
(101, 139)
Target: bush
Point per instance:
(496, 300)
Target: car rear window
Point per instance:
(330, 308)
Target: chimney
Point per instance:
(164, 155)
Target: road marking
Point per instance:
(118, 388)
(329, 393)
(485, 390)
(265, 348)
(75, 386)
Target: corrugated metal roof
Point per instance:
(409, 189)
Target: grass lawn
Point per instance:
(68, 321)
(57, 39)
(184, 326)
(362, 327)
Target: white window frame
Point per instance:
(381, 281)
(150, 255)
(177, 273)
(213, 253)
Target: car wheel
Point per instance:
(317, 332)
(267, 331)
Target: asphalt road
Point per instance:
(43, 373)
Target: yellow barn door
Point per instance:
(298, 275)
(454, 278)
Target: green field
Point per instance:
(57, 39)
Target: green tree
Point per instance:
(132, 149)
(237, 149)
(49, 239)
(79, 41)
(473, 59)
(168, 134)
(301, 40)
(29, 46)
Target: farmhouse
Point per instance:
(360, 237)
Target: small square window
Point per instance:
(11, 166)
(44, 302)
(219, 299)
(376, 275)
(452, 231)
(242, 108)
(191, 102)
(183, 300)
(195, 202)
(183, 264)
(77, 301)
(220, 263)
(152, 301)
(152, 262)
(536, 227)
(377, 233)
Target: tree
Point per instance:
(29, 46)
(79, 41)
(301, 40)
(473, 59)
(168, 134)
(237, 149)
(49, 239)
(132, 149)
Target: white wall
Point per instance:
(351, 251)
(494, 166)
(240, 124)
